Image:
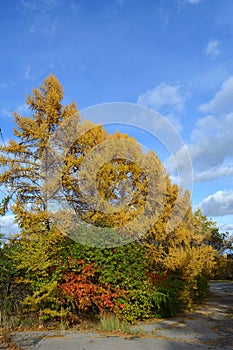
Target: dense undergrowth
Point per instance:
(164, 264)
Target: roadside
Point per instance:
(209, 324)
(208, 327)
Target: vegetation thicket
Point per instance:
(47, 274)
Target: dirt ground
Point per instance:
(210, 326)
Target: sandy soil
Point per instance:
(208, 327)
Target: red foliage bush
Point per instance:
(86, 292)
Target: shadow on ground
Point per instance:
(208, 327)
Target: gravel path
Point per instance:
(208, 327)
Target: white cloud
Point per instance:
(214, 173)
(8, 226)
(222, 101)
(213, 48)
(218, 204)
(27, 5)
(22, 109)
(166, 99)
(194, 1)
(211, 147)
(173, 119)
(163, 95)
(5, 113)
(177, 160)
(27, 74)
(211, 150)
(164, 15)
(46, 20)
(226, 227)
(39, 6)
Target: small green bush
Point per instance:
(173, 288)
(143, 304)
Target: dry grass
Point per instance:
(113, 323)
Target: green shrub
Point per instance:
(173, 288)
(143, 304)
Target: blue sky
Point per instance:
(173, 56)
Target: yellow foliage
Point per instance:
(106, 179)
